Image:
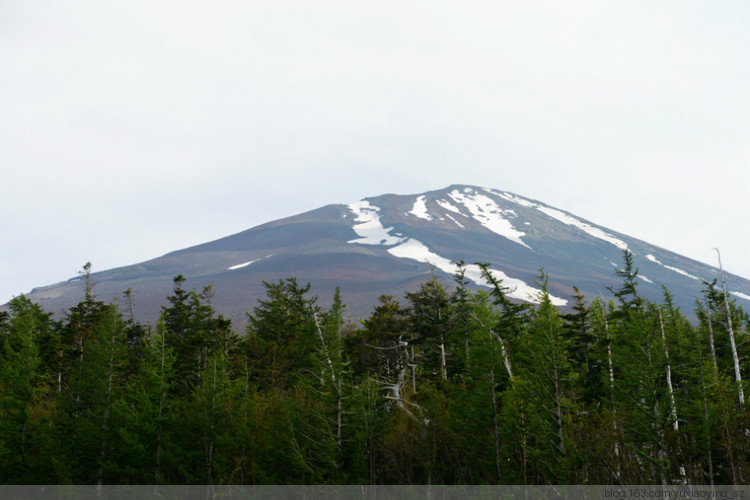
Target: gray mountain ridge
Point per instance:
(390, 244)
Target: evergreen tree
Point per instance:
(430, 315)
(281, 334)
(210, 426)
(94, 390)
(195, 332)
(546, 381)
(627, 294)
(585, 354)
(477, 401)
(461, 325)
(20, 385)
(457, 388)
(372, 347)
(147, 414)
(512, 315)
(323, 397)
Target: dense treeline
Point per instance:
(447, 386)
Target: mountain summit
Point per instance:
(389, 244)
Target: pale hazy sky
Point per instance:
(133, 128)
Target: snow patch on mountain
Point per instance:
(520, 289)
(449, 206)
(671, 268)
(645, 278)
(370, 228)
(420, 208)
(586, 228)
(489, 214)
(513, 198)
(741, 295)
(416, 250)
(244, 264)
(454, 220)
(564, 218)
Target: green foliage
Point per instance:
(627, 294)
(21, 384)
(370, 346)
(281, 333)
(194, 332)
(431, 323)
(454, 387)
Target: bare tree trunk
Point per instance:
(105, 418)
(79, 341)
(655, 426)
(558, 407)
(466, 352)
(157, 472)
(335, 379)
(327, 355)
(673, 405)
(89, 286)
(735, 358)
(503, 351)
(495, 425)
(609, 359)
(129, 300)
(59, 372)
(670, 389)
(396, 388)
(659, 443)
(612, 396)
(711, 337)
(708, 430)
(413, 367)
(443, 364)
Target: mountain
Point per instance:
(389, 244)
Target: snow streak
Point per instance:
(372, 232)
(671, 268)
(244, 264)
(564, 218)
(489, 214)
(370, 228)
(449, 206)
(420, 209)
(454, 220)
(416, 250)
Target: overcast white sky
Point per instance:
(131, 129)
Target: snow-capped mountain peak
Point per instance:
(389, 244)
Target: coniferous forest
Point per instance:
(442, 386)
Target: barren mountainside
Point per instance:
(389, 244)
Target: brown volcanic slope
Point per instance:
(390, 244)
